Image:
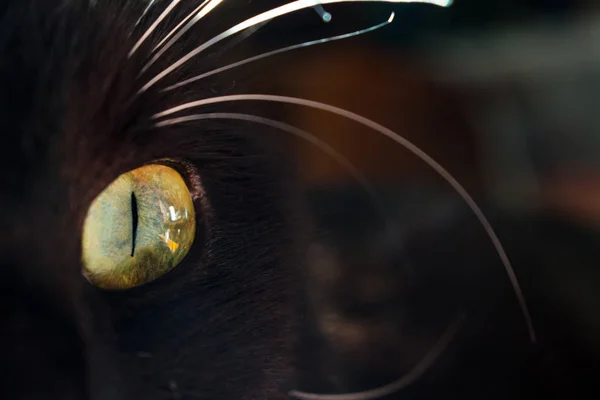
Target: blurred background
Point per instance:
(504, 94)
(501, 93)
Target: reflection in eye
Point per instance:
(139, 228)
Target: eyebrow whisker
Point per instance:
(282, 50)
(250, 22)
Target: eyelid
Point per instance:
(189, 173)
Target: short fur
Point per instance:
(218, 327)
(222, 325)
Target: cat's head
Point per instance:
(217, 325)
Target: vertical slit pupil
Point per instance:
(134, 218)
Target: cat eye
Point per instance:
(138, 229)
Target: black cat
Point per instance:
(219, 325)
(237, 318)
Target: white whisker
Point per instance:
(418, 370)
(260, 18)
(327, 149)
(153, 26)
(211, 5)
(148, 7)
(325, 16)
(189, 16)
(447, 176)
(241, 37)
(279, 51)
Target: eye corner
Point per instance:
(188, 171)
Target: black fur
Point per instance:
(223, 324)
(218, 327)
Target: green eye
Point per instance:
(139, 228)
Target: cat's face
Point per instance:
(217, 326)
(81, 85)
